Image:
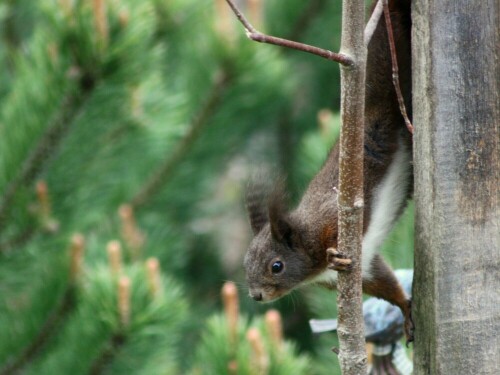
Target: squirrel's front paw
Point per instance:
(337, 261)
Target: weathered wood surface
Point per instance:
(456, 106)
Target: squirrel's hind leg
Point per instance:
(382, 283)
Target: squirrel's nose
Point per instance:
(256, 296)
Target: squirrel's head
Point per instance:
(276, 261)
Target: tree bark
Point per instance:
(456, 106)
(352, 354)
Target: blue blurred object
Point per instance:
(383, 321)
(384, 328)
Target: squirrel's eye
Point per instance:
(277, 267)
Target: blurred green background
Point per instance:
(140, 121)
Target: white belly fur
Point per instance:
(388, 199)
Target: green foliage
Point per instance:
(217, 355)
(156, 103)
(31, 285)
(150, 338)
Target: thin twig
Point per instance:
(257, 36)
(373, 22)
(163, 173)
(395, 72)
(47, 331)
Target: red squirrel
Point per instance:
(289, 247)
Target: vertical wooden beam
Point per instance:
(456, 112)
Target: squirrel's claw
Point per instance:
(337, 261)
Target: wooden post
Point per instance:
(456, 107)
(352, 354)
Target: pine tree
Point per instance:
(232, 344)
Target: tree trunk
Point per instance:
(457, 182)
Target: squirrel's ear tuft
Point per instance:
(256, 207)
(281, 227)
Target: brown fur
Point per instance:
(329, 236)
(383, 284)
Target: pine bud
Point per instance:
(124, 17)
(42, 193)
(231, 308)
(325, 117)
(44, 207)
(124, 300)
(114, 257)
(133, 237)
(232, 367)
(275, 328)
(101, 21)
(255, 11)
(260, 357)
(154, 277)
(224, 21)
(76, 256)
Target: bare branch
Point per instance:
(257, 36)
(395, 71)
(373, 22)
